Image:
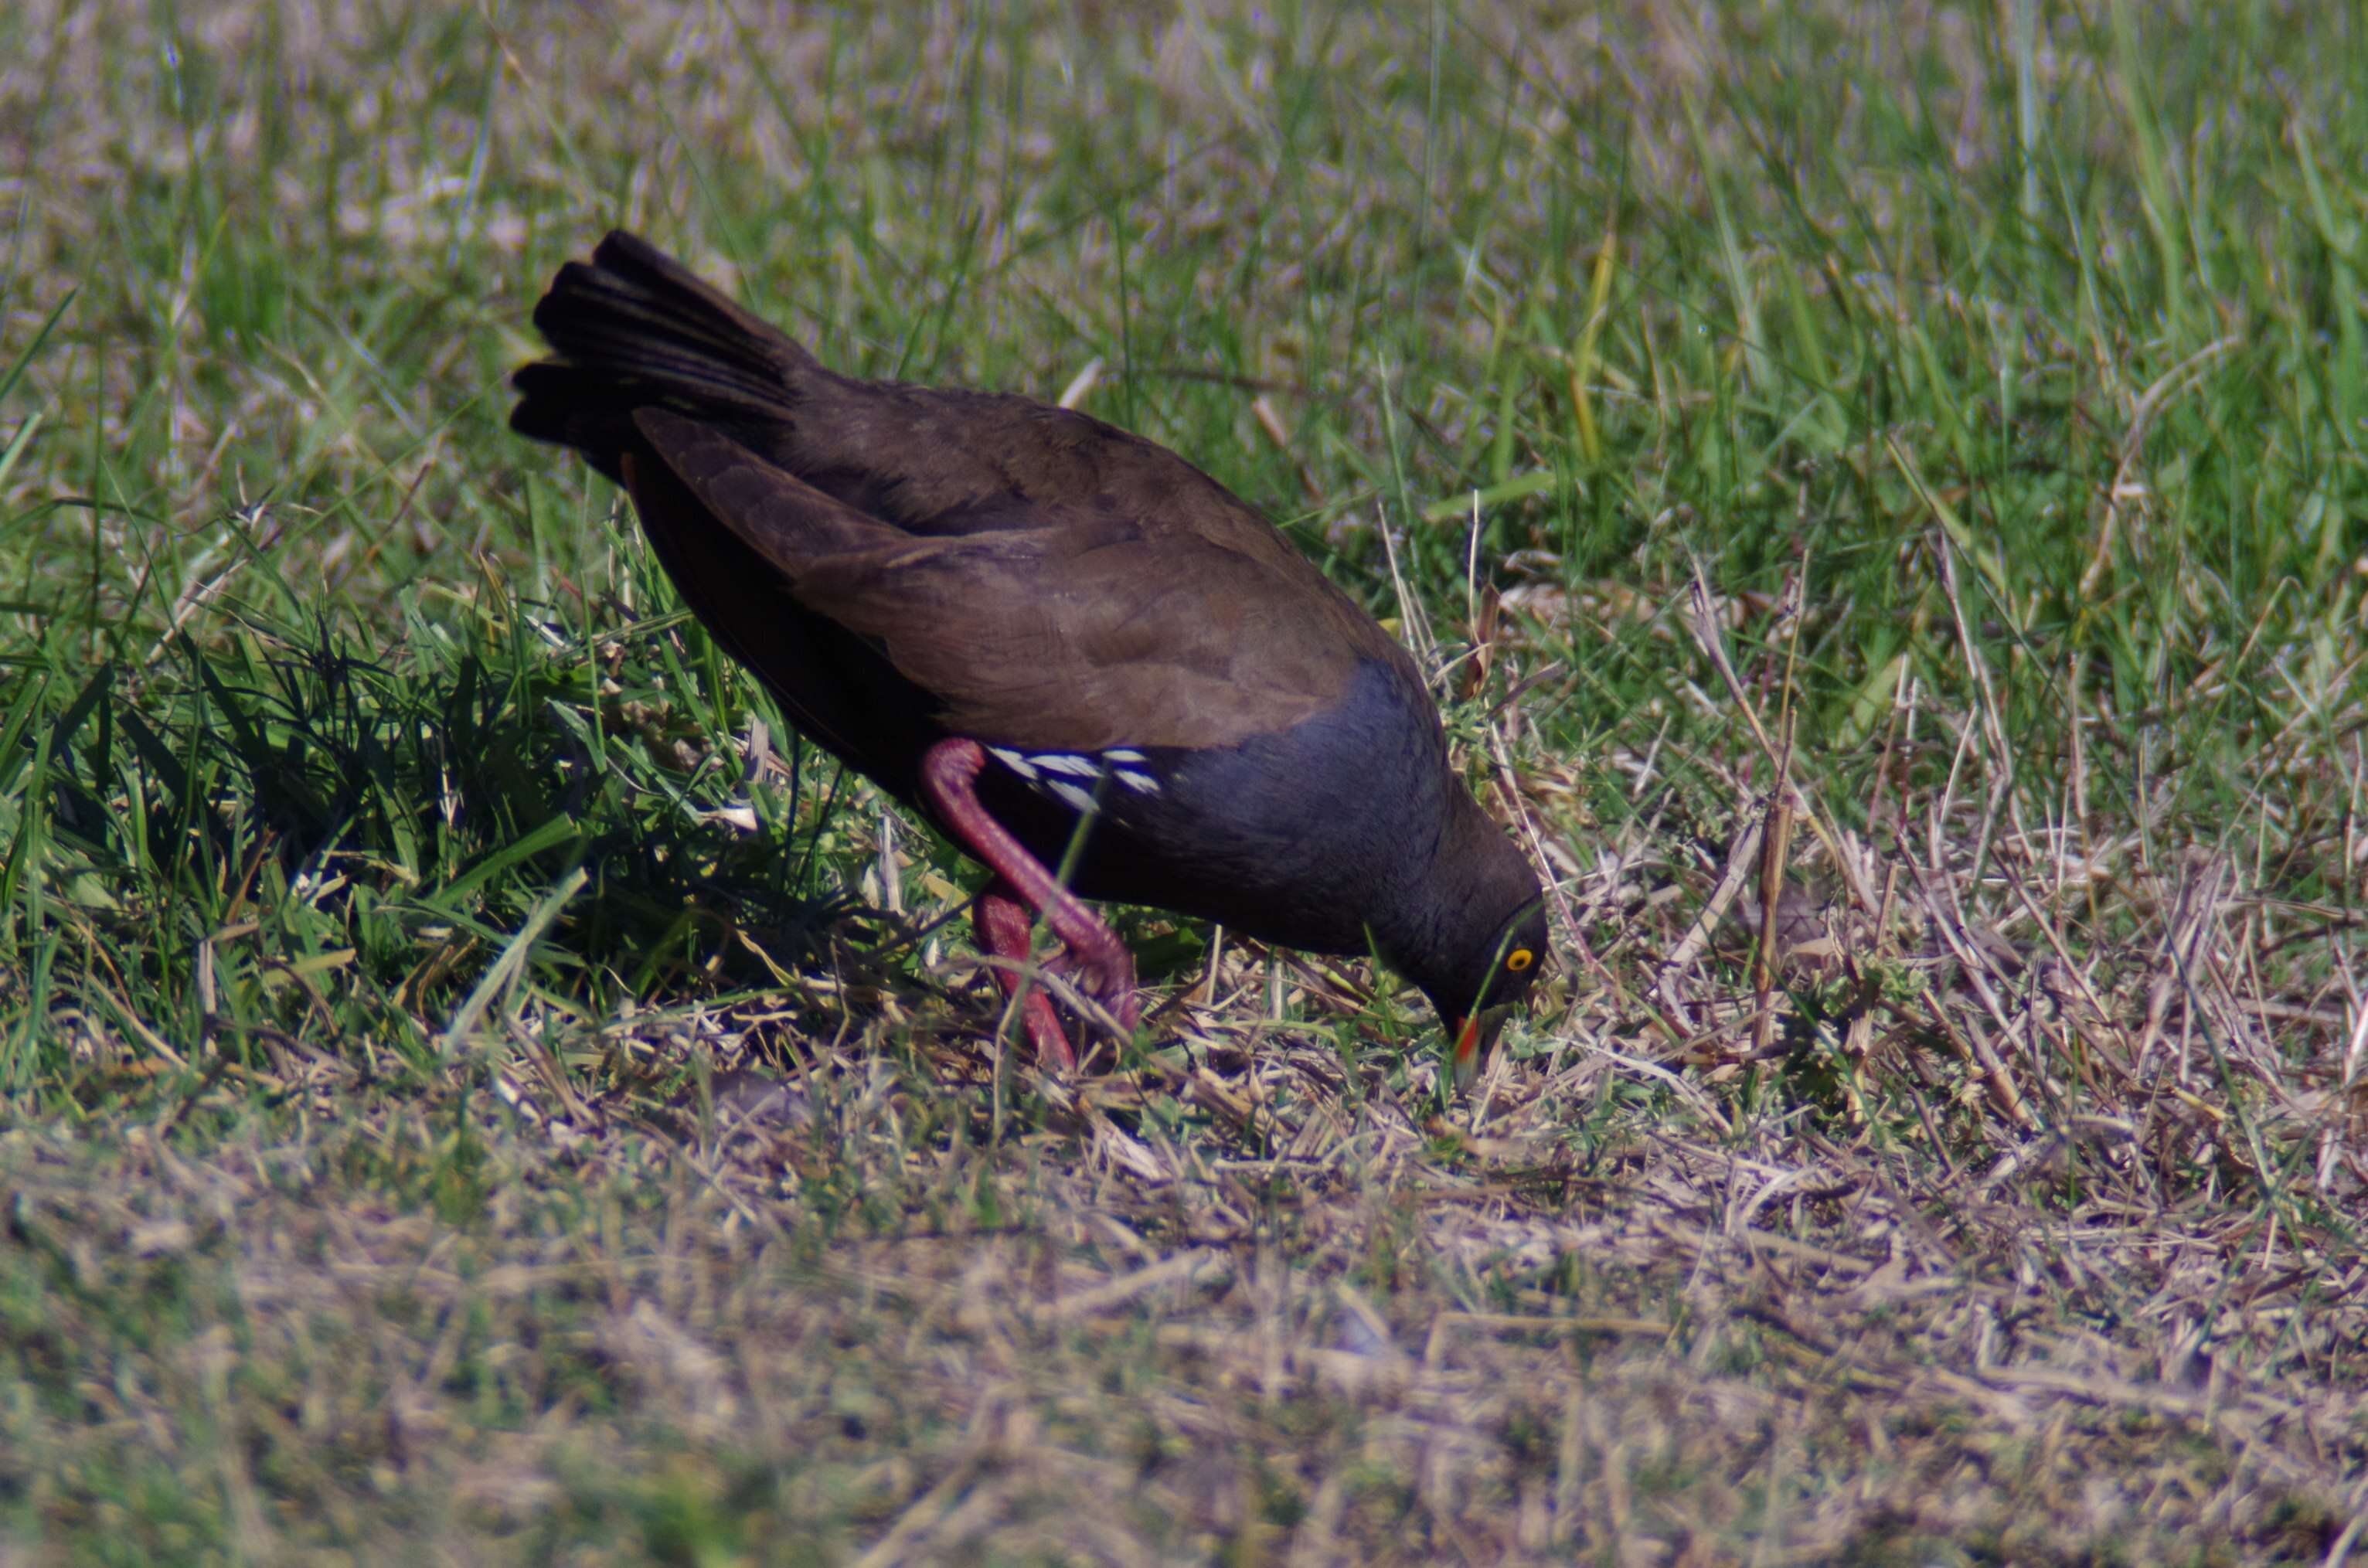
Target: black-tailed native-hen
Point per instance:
(1011, 616)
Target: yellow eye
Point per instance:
(1519, 958)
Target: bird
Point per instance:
(1060, 642)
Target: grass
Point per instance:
(475, 1090)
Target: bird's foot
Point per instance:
(1005, 930)
(1101, 968)
(1097, 960)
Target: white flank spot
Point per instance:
(1125, 757)
(1140, 783)
(1061, 762)
(1080, 798)
(1014, 761)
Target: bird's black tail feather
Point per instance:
(634, 328)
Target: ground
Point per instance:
(1883, 493)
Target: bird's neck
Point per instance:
(1452, 903)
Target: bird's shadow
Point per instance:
(420, 804)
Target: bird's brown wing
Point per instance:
(827, 680)
(1070, 624)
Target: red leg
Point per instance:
(1105, 970)
(1005, 931)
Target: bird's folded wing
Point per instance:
(1074, 628)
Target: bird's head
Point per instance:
(1482, 935)
(1486, 983)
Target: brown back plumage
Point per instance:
(1050, 581)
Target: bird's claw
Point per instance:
(1112, 985)
(1107, 977)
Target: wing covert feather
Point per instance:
(1066, 626)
